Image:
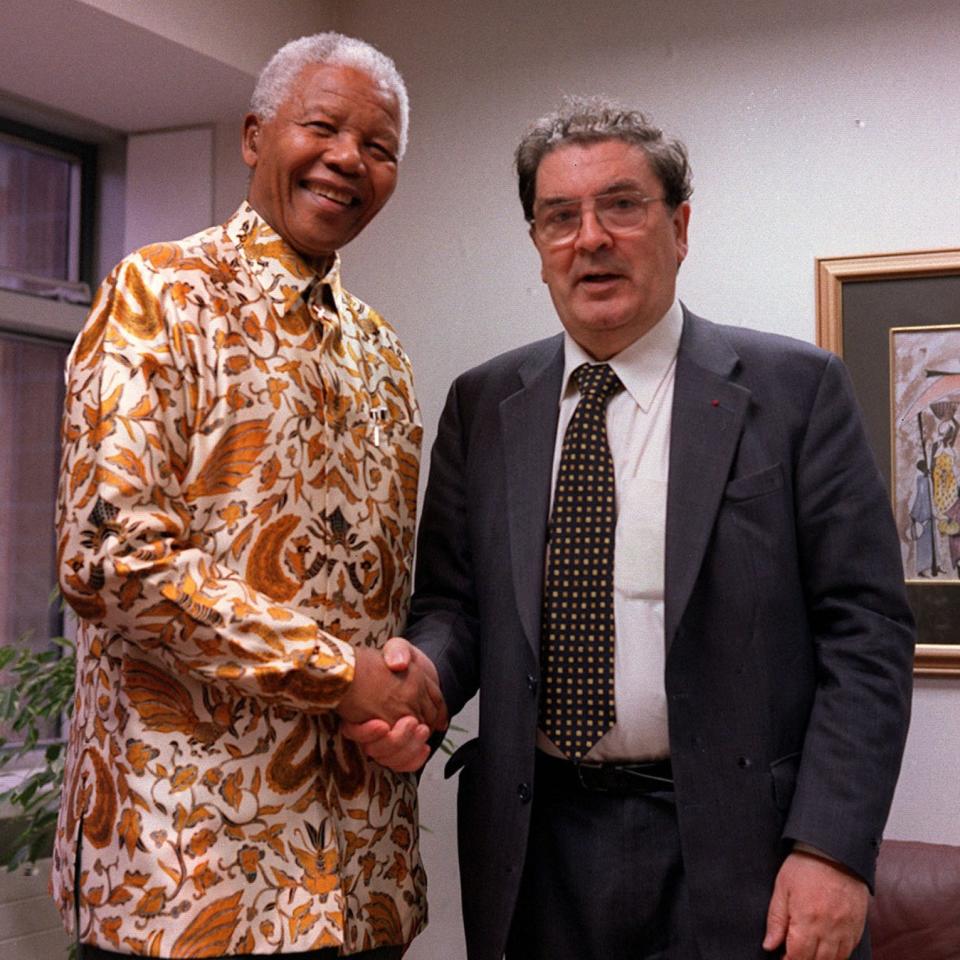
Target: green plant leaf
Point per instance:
(40, 689)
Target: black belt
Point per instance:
(604, 777)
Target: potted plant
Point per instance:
(41, 690)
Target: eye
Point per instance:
(558, 216)
(382, 152)
(322, 127)
(624, 202)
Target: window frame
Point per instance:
(86, 155)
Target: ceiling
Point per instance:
(83, 70)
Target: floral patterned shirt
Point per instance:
(235, 515)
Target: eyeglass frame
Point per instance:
(579, 204)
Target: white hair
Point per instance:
(277, 77)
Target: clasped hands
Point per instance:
(393, 705)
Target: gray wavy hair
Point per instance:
(277, 77)
(594, 120)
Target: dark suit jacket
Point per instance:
(789, 637)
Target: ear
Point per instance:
(681, 222)
(533, 238)
(251, 134)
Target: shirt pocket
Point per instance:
(639, 544)
(386, 455)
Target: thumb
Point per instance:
(397, 654)
(776, 920)
(367, 732)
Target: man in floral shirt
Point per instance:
(236, 517)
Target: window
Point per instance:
(45, 194)
(31, 402)
(45, 250)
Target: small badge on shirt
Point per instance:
(377, 417)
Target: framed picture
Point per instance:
(895, 320)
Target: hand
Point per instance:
(393, 683)
(402, 747)
(818, 909)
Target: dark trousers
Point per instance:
(328, 953)
(603, 878)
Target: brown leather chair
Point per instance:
(915, 914)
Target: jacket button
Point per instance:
(744, 763)
(524, 793)
(531, 683)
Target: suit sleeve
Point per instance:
(862, 630)
(443, 620)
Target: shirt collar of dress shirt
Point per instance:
(286, 278)
(641, 367)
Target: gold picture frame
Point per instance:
(859, 301)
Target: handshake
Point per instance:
(393, 705)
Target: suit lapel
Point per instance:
(528, 423)
(707, 420)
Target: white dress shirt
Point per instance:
(638, 431)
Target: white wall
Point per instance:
(230, 175)
(767, 95)
(169, 185)
(815, 127)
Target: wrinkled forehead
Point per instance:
(579, 169)
(345, 86)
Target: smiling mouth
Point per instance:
(339, 197)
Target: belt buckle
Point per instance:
(596, 784)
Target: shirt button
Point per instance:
(524, 793)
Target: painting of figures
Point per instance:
(925, 452)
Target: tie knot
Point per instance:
(597, 380)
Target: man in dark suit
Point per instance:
(675, 579)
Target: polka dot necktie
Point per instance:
(577, 706)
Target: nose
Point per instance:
(343, 153)
(592, 234)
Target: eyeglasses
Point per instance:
(619, 213)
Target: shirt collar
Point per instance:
(286, 278)
(642, 367)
